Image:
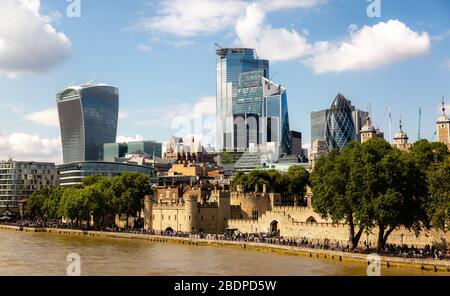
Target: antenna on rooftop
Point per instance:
(217, 45)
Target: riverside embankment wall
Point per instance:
(441, 266)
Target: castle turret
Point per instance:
(148, 212)
(443, 127)
(401, 139)
(191, 212)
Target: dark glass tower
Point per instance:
(88, 116)
(230, 63)
(340, 129)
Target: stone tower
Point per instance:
(368, 131)
(148, 212)
(191, 211)
(443, 127)
(401, 139)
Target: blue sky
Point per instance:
(161, 56)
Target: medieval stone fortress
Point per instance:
(197, 189)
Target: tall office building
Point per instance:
(340, 126)
(319, 122)
(296, 146)
(260, 114)
(88, 116)
(230, 63)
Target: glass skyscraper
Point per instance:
(340, 128)
(230, 63)
(88, 116)
(319, 121)
(260, 113)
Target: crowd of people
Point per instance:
(268, 238)
(325, 244)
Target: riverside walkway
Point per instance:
(429, 264)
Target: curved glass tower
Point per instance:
(88, 116)
(340, 129)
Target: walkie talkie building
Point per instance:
(88, 116)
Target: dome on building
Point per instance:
(401, 134)
(340, 128)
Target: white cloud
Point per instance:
(126, 139)
(47, 117)
(275, 44)
(193, 17)
(14, 108)
(29, 147)
(272, 5)
(197, 118)
(28, 42)
(369, 48)
(123, 115)
(144, 48)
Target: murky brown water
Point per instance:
(45, 254)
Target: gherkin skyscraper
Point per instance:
(340, 128)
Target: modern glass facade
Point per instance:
(340, 128)
(319, 122)
(230, 63)
(73, 174)
(260, 113)
(88, 116)
(150, 147)
(318, 125)
(111, 151)
(277, 117)
(19, 179)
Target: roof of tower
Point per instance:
(443, 118)
(340, 102)
(401, 134)
(368, 127)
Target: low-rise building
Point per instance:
(73, 174)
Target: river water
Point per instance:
(46, 254)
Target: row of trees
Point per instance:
(374, 185)
(292, 183)
(99, 197)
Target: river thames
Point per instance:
(45, 254)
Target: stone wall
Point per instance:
(291, 228)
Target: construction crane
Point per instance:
(420, 125)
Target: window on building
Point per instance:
(202, 218)
(255, 215)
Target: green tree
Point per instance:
(74, 205)
(398, 196)
(35, 204)
(297, 180)
(226, 157)
(129, 191)
(51, 203)
(426, 154)
(438, 208)
(335, 195)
